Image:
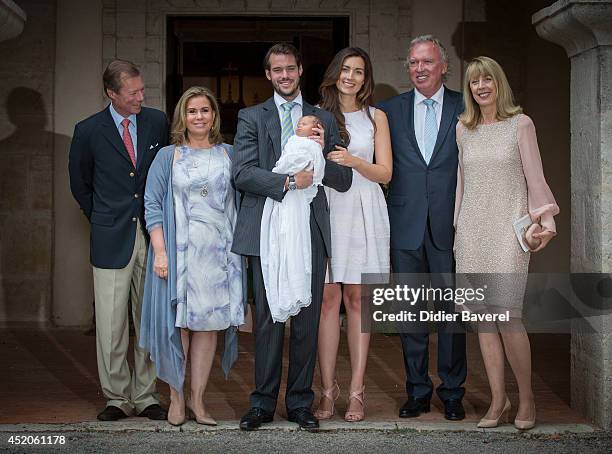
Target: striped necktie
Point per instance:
(287, 123)
(431, 130)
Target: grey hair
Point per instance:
(436, 42)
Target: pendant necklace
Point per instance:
(204, 189)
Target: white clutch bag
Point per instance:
(520, 228)
(525, 227)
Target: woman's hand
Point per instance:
(319, 135)
(537, 236)
(530, 240)
(340, 155)
(544, 236)
(160, 265)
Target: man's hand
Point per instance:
(303, 179)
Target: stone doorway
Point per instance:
(225, 54)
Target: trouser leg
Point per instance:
(269, 338)
(304, 332)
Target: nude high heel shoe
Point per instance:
(332, 395)
(490, 423)
(525, 424)
(201, 419)
(176, 417)
(356, 415)
(176, 412)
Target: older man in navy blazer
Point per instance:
(421, 206)
(110, 156)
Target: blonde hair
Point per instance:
(178, 131)
(506, 108)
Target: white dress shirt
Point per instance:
(419, 114)
(296, 112)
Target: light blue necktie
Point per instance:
(431, 130)
(287, 124)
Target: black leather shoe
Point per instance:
(413, 407)
(254, 418)
(111, 413)
(154, 412)
(453, 410)
(305, 418)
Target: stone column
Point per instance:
(583, 28)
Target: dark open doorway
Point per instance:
(226, 55)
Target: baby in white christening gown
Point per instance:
(285, 247)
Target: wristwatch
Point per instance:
(292, 186)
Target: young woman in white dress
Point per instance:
(359, 221)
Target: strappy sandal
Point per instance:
(332, 395)
(356, 416)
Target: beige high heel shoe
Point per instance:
(176, 418)
(332, 395)
(201, 419)
(490, 423)
(356, 415)
(526, 424)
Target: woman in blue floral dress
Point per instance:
(190, 213)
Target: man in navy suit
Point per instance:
(421, 206)
(110, 156)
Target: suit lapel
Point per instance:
(273, 126)
(308, 109)
(143, 131)
(448, 110)
(408, 120)
(110, 131)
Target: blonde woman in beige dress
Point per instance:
(500, 179)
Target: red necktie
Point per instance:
(127, 140)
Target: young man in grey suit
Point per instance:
(261, 133)
(110, 156)
(421, 206)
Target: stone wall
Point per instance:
(382, 27)
(78, 69)
(26, 166)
